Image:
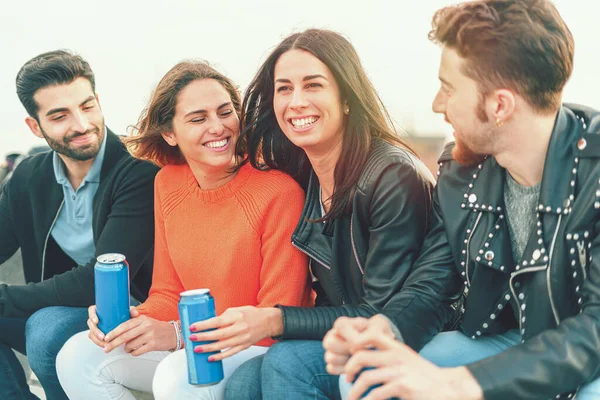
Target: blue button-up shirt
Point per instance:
(72, 230)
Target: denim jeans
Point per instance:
(453, 349)
(40, 336)
(290, 370)
(244, 383)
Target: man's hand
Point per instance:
(401, 372)
(350, 335)
(338, 340)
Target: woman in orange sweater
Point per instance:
(218, 225)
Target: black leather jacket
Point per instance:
(554, 289)
(360, 260)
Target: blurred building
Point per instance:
(428, 147)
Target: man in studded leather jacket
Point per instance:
(516, 227)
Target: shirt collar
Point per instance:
(93, 174)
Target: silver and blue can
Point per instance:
(111, 282)
(195, 306)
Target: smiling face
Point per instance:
(70, 119)
(205, 126)
(463, 107)
(307, 102)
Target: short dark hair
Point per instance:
(49, 69)
(523, 45)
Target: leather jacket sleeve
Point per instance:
(556, 360)
(398, 211)
(424, 305)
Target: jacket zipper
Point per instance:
(308, 253)
(354, 247)
(554, 311)
(582, 257)
(514, 293)
(534, 269)
(467, 249)
(47, 237)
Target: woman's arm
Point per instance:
(398, 205)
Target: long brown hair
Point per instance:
(268, 148)
(146, 141)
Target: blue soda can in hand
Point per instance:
(111, 282)
(195, 306)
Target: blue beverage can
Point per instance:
(195, 306)
(111, 282)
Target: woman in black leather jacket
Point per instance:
(312, 112)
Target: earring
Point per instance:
(499, 122)
(346, 109)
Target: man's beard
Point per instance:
(464, 155)
(76, 153)
(461, 151)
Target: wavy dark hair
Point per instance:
(266, 145)
(146, 141)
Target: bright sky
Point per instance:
(131, 44)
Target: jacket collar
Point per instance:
(560, 167)
(115, 149)
(485, 192)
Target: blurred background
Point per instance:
(131, 44)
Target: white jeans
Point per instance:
(86, 372)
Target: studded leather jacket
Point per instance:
(554, 290)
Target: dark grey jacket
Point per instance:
(123, 222)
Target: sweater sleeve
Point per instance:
(166, 285)
(284, 271)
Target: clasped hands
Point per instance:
(354, 344)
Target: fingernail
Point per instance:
(193, 337)
(100, 336)
(96, 321)
(192, 329)
(198, 349)
(211, 358)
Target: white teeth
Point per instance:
(303, 122)
(216, 145)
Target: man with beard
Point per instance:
(516, 228)
(63, 208)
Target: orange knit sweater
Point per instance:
(234, 240)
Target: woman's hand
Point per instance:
(236, 329)
(141, 334)
(94, 334)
